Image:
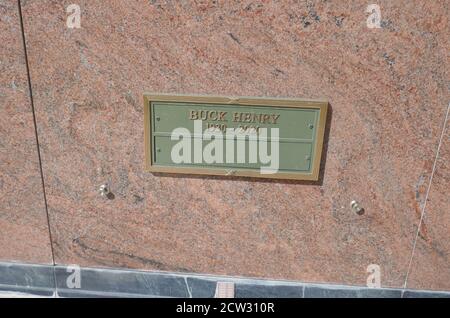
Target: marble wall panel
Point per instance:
(431, 262)
(388, 91)
(24, 233)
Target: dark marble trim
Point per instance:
(31, 279)
(39, 280)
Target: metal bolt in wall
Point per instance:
(356, 207)
(104, 190)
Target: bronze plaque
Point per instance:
(234, 136)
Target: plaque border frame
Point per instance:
(320, 104)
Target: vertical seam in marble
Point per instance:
(30, 92)
(426, 197)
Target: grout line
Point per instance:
(426, 197)
(30, 90)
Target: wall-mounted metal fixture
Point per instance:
(104, 190)
(356, 207)
(301, 124)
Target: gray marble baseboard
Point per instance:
(55, 281)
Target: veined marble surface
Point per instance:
(388, 93)
(24, 231)
(430, 267)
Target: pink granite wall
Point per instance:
(388, 93)
(430, 264)
(24, 234)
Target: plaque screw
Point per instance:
(307, 157)
(356, 208)
(158, 118)
(104, 190)
(158, 149)
(310, 126)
